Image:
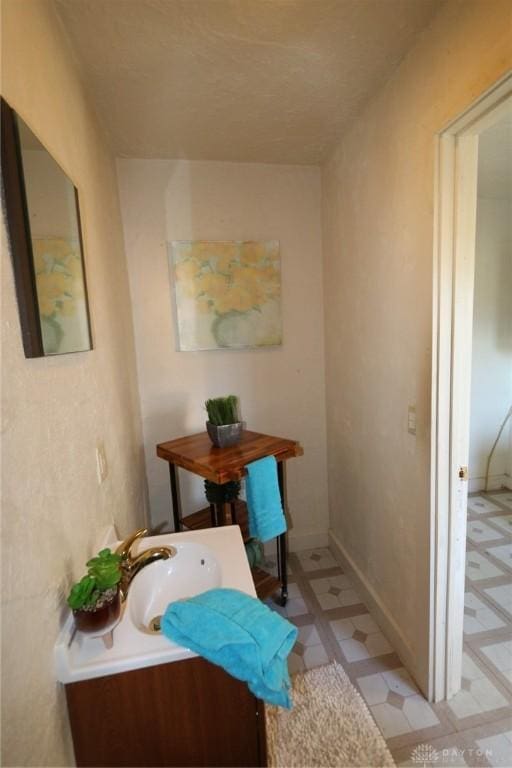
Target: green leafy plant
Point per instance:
(105, 569)
(83, 593)
(104, 573)
(222, 410)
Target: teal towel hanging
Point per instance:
(266, 516)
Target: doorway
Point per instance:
(454, 285)
(487, 627)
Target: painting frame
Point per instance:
(21, 243)
(226, 294)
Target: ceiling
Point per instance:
(495, 160)
(241, 80)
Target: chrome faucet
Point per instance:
(131, 565)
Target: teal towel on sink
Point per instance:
(238, 633)
(266, 516)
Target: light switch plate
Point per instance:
(101, 463)
(411, 419)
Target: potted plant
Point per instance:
(221, 494)
(96, 599)
(224, 426)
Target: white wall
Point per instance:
(491, 374)
(55, 410)
(378, 245)
(281, 389)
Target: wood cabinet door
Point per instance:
(188, 713)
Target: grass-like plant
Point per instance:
(103, 573)
(222, 410)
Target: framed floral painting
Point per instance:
(228, 293)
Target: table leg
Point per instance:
(175, 496)
(218, 515)
(282, 569)
(281, 540)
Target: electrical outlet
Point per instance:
(101, 463)
(411, 419)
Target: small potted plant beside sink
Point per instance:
(96, 599)
(224, 426)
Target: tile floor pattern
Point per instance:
(472, 729)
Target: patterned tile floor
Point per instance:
(472, 729)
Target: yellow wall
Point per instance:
(377, 238)
(56, 409)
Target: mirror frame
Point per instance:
(18, 227)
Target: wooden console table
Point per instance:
(196, 454)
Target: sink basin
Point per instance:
(136, 643)
(194, 569)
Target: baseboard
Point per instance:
(376, 607)
(496, 483)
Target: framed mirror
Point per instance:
(43, 222)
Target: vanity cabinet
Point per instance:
(184, 713)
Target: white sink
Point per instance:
(136, 645)
(192, 570)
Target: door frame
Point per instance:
(455, 197)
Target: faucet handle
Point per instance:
(124, 548)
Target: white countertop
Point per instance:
(80, 657)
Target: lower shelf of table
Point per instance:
(203, 518)
(264, 583)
